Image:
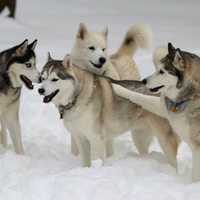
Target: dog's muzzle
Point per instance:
(156, 89)
(49, 98)
(27, 82)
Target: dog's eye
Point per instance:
(28, 65)
(92, 48)
(54, 79)
(161, 72)
(103, 49)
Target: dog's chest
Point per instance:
(9, 98)
(85, 122)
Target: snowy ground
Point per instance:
(48, 171)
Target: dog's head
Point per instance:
(174, 70)
(20, 64)
(90, 50)
(58, 83)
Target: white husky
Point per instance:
(177, 78)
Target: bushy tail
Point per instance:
(138, 36)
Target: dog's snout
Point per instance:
(144, 81)
(41, 90)
(102, 60)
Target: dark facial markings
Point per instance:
(57, 67)
(171, 69)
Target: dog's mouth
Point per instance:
(156, 89)
(96, 65)
(27, 82)
(49, 98)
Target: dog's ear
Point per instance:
(67, 61)
(33, 45)
(49, 57)
(171, 50)
(22, 48)
(178, 61)
(82, 31)
(105, 32)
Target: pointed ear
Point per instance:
(67, 61)
(49, 57)
(32, 45)
(22, 48)
(105, 32)
(171, 50)
(82, 31)
(178, 60)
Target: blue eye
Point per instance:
(92, 48)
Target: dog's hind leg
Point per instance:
(168, 140)
(142, 139)
(74, 147)
(195, 163)
(3, 133)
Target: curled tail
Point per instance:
(138, 36)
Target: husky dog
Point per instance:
(178, 81)
(90, 53)
(17, 68)
(94, 115)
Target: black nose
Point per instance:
(144, 81)
(102, 60)
(41, 90)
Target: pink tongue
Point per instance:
(27, 82)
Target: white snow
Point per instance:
(48, 171)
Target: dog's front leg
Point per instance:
(99, 146)
(149, 103)
(13, 125)
(83, 148)
(74, 147)
(109, 148)
(3, 133)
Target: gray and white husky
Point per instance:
(178, 80)
(94, 115)
(17, 68)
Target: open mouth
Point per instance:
(156, 89)
(96, 65)
(49, 98)
(27, 82)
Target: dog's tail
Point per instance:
(138, 36)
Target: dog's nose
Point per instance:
(41, 90)
(144, 81)
(102, 60)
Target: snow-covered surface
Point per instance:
(48, 171)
